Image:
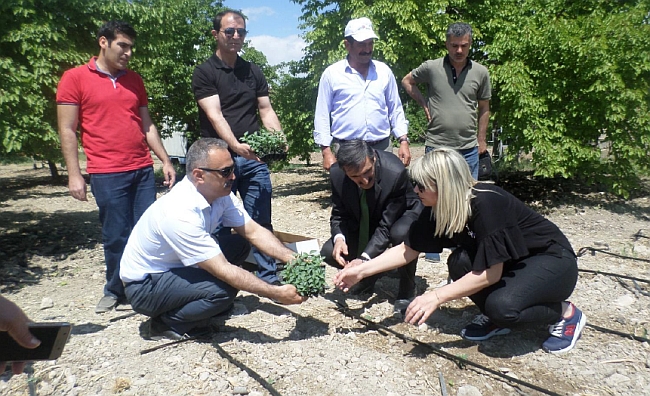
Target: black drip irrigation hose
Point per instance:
(224, 355)
(584, 250)
(248, 370)
(343, 308)
(618, 277)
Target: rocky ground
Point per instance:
(51, 264)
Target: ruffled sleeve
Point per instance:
(494, 223)
(500, 246)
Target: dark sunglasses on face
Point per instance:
(225, 172)
(230, 32)
(417, 184)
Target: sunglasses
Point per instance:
(419, 185)
(225, 172)
(230, 32)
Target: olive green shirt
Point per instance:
(453, 104)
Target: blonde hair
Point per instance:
(446, 171)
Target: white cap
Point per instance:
(360, 29)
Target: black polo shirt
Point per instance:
(238, 90)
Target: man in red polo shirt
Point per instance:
(108, 104)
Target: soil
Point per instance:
(51, 264)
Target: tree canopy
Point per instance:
(40, 39)
(571, 80)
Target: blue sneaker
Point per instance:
(565, 333)
(482, 329)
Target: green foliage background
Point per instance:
(571, 80)
(40, 39)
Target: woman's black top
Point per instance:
(501, 229)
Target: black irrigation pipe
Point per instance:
(165, 345)
(584, 250)
(614, 275)
(343, 308)
(618, 277)
(223, 354)
(619, 333)
(248, 370)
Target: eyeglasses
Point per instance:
(225, 172)
(230, 32)
(422, 187)
(419, 185)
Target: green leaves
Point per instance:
(265, 142)
(571, 80)
(307, 273)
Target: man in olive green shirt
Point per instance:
(456, 87)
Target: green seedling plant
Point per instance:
(306, 271)
(265, 142)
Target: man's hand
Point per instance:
(340, 250)
(287, 294)
(244, 150)
(170, 175)
(428, 114)
(77, 187)
(328, 158)
(482, 146)
(14, 321)
(404, 153)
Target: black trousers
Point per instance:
(530, 290)
(187, 297)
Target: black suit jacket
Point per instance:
(391, 198)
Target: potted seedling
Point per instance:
(269, 146)
(306, 271)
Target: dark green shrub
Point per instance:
(266, 143)
(307, 273)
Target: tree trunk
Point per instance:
(53, 170)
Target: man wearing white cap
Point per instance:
(358, 99)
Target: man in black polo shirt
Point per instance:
(230, 92)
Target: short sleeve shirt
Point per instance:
(453, 104)
(109, 117)
(238, 89)
(500, 229)
(175, 231)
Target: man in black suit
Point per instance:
(380, 179)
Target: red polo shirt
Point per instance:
(109, 117)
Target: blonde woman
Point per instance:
(515, 265)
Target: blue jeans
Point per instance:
(122, 198)
(471, 156)
(253, 183)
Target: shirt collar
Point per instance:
(92, 65)
(219, 64)
(189, 189)
(448, 62)
(350, 69)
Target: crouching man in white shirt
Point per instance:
(175, 272)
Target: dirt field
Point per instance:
(51, 264)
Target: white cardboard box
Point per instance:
(297, 243)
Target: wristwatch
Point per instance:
(404, 138)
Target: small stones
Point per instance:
(47, 303)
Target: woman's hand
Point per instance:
(422, 307)
(347, 277)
